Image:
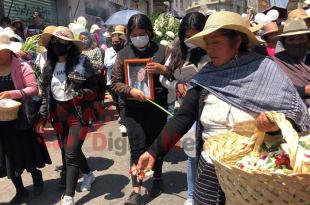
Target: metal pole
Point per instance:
(10, 8)
(77, 7)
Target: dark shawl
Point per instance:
(255, 83)
(297, 71)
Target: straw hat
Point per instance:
(119, 29)
(299, 14)
(48, 30)
(269, 28)
(223, 20)
(94, 28)
(5, 43)
(294, 27)
(60, 32)
(254, 27)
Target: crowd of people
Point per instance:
(221, 74)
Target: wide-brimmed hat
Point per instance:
(269, 28)
(119, 29)
(294, 27)
(60, 32)
(94, 28)
(253, 27)
(223, 20)
(298, 14)
(5, 43)
(47, 30)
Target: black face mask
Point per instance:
(60, 49)
(117, 47)
(296, 51)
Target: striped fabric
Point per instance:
(207, 188)
(254, 83)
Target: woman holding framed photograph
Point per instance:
(141, 129)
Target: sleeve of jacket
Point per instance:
(43, 112)
(91, 88)
(178, 125)
(118, 79)
(29, 81)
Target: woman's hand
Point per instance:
(138, 95)
(146, 162)
(181, 89)
(5, 95)
(156, 68)
(264, 124)
(38, 127)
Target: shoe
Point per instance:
(157, 188)
(123, 129)
(189, 202)
(19, 198)
(62, 181)
(134, 199)
(67, 200)
(87, 181)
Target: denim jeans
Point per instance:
(170, 109)
(191, 175)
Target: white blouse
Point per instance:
(218, 117)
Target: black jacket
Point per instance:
(90, 91)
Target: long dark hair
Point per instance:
(193, 20)
(140, 21)
(72, 60)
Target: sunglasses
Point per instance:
(61, 41)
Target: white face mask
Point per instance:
(189, 45)
(140, 41)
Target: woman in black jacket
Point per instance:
(143, 120)
(69, 89)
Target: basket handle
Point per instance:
(289, 134)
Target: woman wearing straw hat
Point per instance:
(293, 60)
(118, 42)
(237, 86)
(19, 147)
(69, 89)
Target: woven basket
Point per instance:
(9, 113)
(258, 187)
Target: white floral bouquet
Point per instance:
(166, 29)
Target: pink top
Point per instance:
(24, 79)
(271, 51)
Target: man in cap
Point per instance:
(37, 27)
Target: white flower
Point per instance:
(158, 33)
(170, 34)
(164, 43)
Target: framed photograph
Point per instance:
(138, 77)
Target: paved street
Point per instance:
(108, 156)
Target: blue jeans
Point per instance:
(170, 109)
(191, 175)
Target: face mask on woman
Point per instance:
(189, 45)
(87, 43)
(60, 49)
(117, 47)
(296, 50)
(140, 41)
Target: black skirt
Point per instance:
(207, 187)
(20, 150)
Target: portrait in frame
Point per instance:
(137, 76)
